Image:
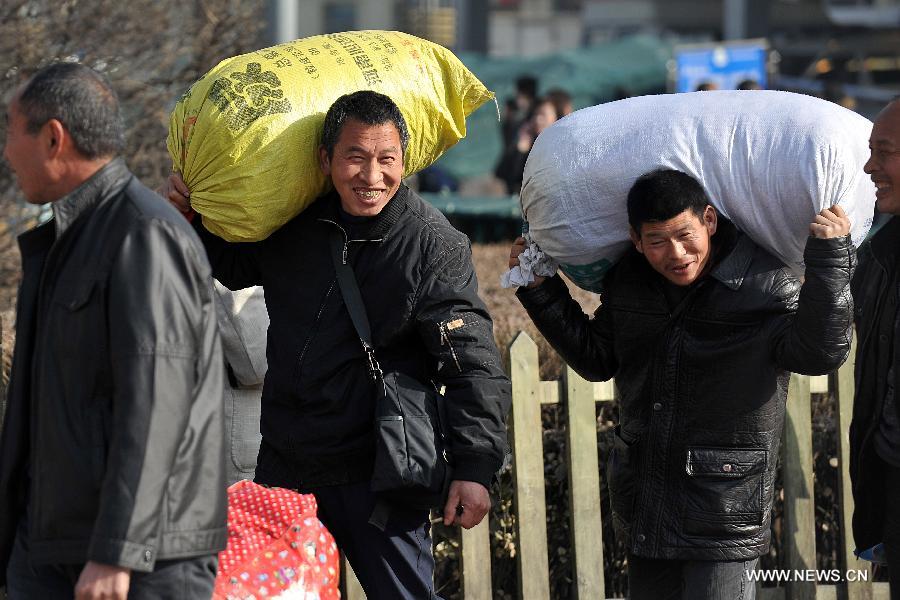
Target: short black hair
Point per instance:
(366, 107)
(526, 84)
(662, 194)
(82, 100)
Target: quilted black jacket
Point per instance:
(702, 387)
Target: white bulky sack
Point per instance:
(770, 161)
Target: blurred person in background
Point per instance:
(517, 111)
(562, 102)
(707, 86)
(875, 428)
(112, 480)
(513, 165)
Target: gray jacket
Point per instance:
(113, 438)
(243, 321)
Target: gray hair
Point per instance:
(82, 100)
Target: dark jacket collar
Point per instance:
(106, 182)
(735, 253)
(885, 244)
(37, 240)
(110, 178)
(375, 229)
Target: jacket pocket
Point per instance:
(462, 342)
(244, 428)
(73, 294)
(75, 316)
(724, 491)
(621, 471)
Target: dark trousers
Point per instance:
(891, 538)
(659, 579)
(394, 564)
(184, 579)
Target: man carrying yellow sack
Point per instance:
(418, 288)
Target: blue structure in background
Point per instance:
(725, 65)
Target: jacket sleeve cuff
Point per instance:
(830, 252)
(479, 468)
(543, 294)
(122, 553)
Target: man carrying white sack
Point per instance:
(418, 288)
(700, 327)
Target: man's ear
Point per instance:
(635, 239)
(55, 138)
(324, 161)
(710, 219)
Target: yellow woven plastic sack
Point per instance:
(245, 136)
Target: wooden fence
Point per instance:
(580, 398)
(584, 473)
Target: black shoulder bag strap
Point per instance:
(346, 279)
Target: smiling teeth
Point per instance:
(369, 194)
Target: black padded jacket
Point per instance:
(418, 285)
(702, 387)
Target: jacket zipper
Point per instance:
(40, 313)
(678, 315)
(330, 288)
(445, 339)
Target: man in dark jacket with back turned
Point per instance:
(700, 327)
(419, 290)
(112, 479)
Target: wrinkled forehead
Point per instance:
(680, 223)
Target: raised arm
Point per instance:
(235, 265)
(585, 344)
(815, 339)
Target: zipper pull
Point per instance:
(344, 258)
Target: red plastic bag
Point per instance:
(277, 547)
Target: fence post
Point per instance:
(799, 536)
(475, 563)
(584, 486)
(528, 471)
(844, 392)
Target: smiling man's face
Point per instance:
(678, 248)
(366, 166)
(883, 165)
